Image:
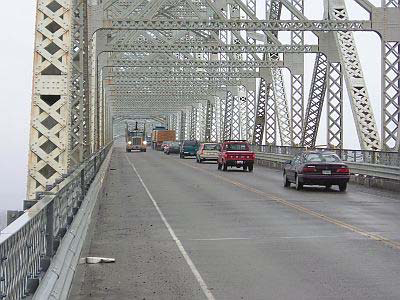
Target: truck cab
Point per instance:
(236, 153)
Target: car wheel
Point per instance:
(343, 187)
(328, 186)
(251, 168)
(286, 182)
(200, 160)
(225, 167)
(245, 168)
(299, 185)
(219, 166)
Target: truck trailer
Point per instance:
(160, 135)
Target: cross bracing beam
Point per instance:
(183, 74)
(172, 82)
(193, 63)
(246, 25)
(209, 47)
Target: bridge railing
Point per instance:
(28, 244)
(349, 155)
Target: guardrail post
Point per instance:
(45, 261)
(373, 157)
(95, 165)
(83, 186)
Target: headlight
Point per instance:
(144, 143)
(129, 143)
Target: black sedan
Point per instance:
(316, 168)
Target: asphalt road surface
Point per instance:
(183, 230)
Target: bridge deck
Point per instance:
(246, 235)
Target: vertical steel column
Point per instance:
(236, 120)
(270, 116)
(390, 111)
(391, 95)
(258, 135)
(182, 133)
(174, 122)
(49, 151)
(209, 122)
(227, 127)
(193, 123)
(297, 84)
(335, 106)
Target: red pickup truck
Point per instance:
(236, 153)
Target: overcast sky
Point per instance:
(17, 20)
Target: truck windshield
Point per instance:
(134, 134)
(237, 147)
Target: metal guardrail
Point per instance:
(348, 155)
(28, 244)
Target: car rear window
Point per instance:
(211, 147)
(322, 157)
(190, 143)
(237, 147)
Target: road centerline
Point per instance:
(179, 244)
(339, 223)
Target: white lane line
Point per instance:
(190, 263)
(261, 238)
(220, 239)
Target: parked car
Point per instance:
(165, 144)
(236, 153)
(189, 148)
(174, 147)
(316, 168)
(208, 151)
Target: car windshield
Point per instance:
(322, 157)
(175, 144)
(211, 146)
(189, 143)
(237, 147)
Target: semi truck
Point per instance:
(135, 139)
(161, 134)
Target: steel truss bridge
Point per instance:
(210, 69)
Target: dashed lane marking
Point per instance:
(369, 235)
(188, 260)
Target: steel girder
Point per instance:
(206, 64)
(245, 25)
(209, 48)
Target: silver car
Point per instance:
(208, 151)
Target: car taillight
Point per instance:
(309, 169)
(343, 170)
